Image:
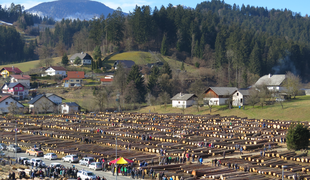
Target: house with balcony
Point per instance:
(8, 71)
(74, 79)
(55, 70)
(18, 90)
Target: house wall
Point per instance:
(65, 109)
(41, 105)
(4, 105)
(86, 61)
(238, 99)
(55, 99)
(72, 82)
(218, 101)
(178, 104)
(211, 94)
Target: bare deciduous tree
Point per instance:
(292, 84)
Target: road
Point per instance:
(108, 175)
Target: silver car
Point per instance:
(14, 148)
(95, 165)
(2, 146)
(50, 156)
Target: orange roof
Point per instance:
(106, 80)
(21, 77)
(4, 98)
(74, 75)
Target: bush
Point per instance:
(297, 137)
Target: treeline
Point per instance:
(13, 47)
(214, 34)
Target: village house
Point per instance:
(274, 83)
(74, 79)
(55, 70)
(6, 104)
(24, 79)
(107, 80)
(182, 100)
(8, 71)
(86, 59)
(18, 90)
(125, 63)
(41, 104)
(218, 95)
(69, 108)
(239, 97)
(54, 98)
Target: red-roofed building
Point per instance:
(7, 101)
(107, 80)
(74, 79)
(7, 71)
(25, 79)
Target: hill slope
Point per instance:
(72, 9)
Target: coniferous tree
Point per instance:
(153, 79)
(166, 70)
(135, 76)
(255, 60)
(297, 137)
(163, 48)
(65, 60)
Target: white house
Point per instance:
(6, 101)
(54, 98)
(218, 95)
(239, 97)
(25, 79)
(274, 83)
(86, 59)
(182, 100)
(55, 70)
(69, 108)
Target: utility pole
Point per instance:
(116, 158)
(15, 141)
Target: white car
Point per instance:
(70, 158)
(50, 156)
(37, 162)
(95, 165)
(86, 175)
(55, 165)
(25, 160)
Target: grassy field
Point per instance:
(26, 66)
(295, 109)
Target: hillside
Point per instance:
(71, 9)
(296, 110)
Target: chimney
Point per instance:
(13, 68)
(269, 75)
(181, 94)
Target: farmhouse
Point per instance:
(182, 100)
(7, 71)
(18, 90)
(54, 98)
(107, 80)
(218, 95)
(25, 79)
(69, 108)
(239, 97)
(274, 83)
(86, 59)
(55, 70)
(74, 79)
(8, 103)
(41, 104)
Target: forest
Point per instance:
(238, 42)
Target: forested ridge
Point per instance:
(236, 41)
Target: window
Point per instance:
(6, 103)
(241, 100)
(20, 88)
(179, 102)
(71, 80)
(16, 88)
(77, 80)
(237, 94)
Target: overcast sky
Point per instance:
(299, 6)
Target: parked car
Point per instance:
(86, 161)
(55, 165)
(2, 153)
(95, 165)
(34, 152)
(86, 175)
(37, 162)
(14, 148)
(50, 156)
(70, 158)
(2, 146)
